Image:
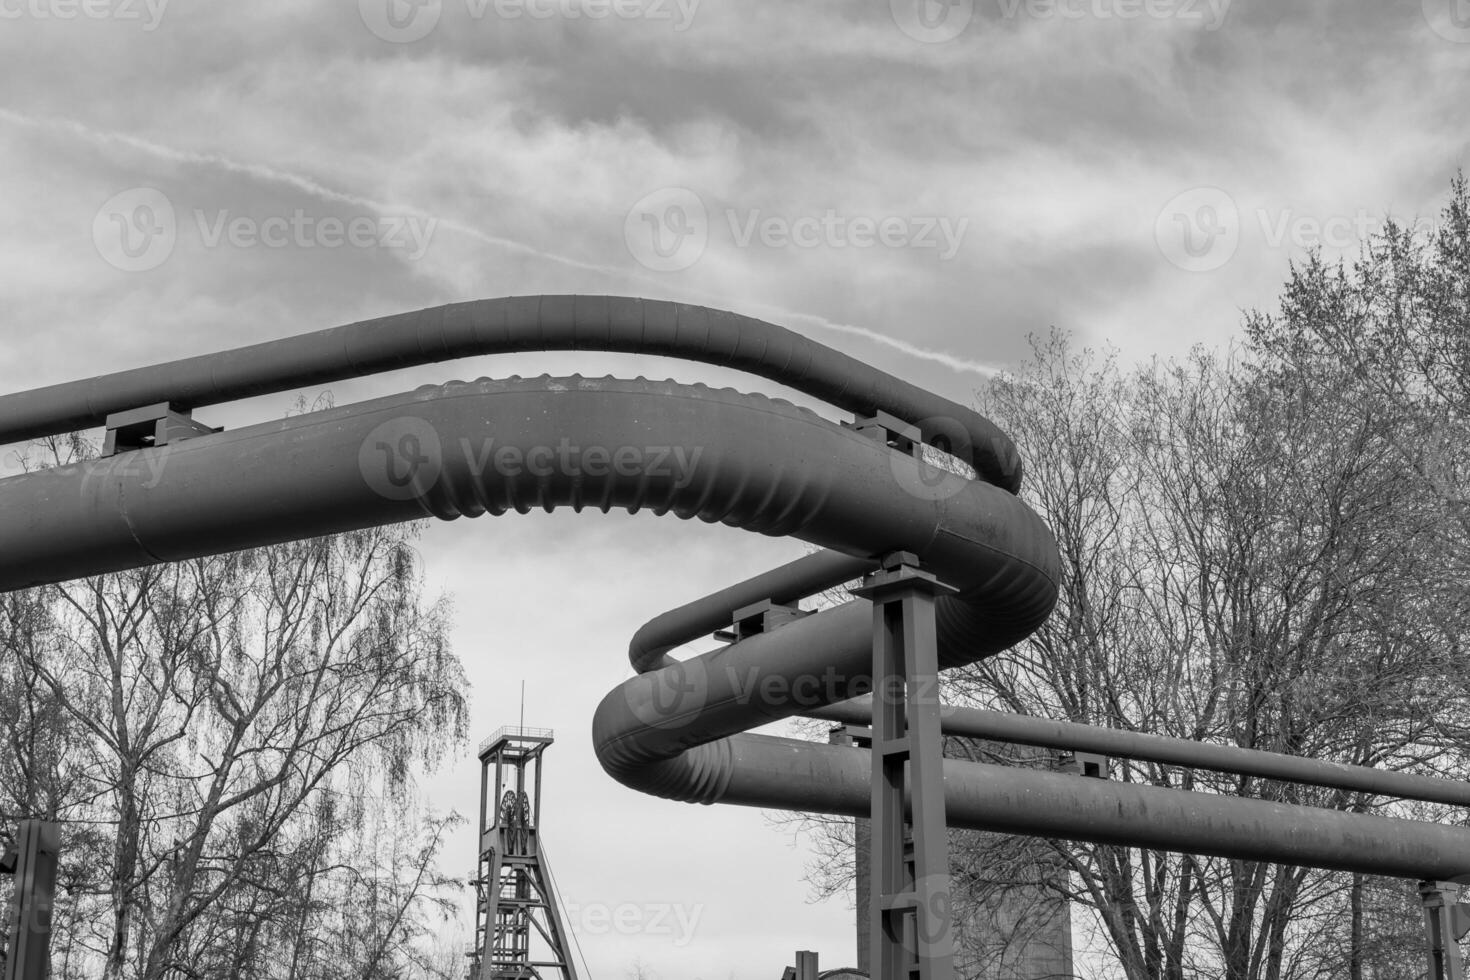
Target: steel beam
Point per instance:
(912, 922)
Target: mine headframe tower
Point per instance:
(517, 898)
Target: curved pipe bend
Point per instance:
(511, 324)
(466, 449)
(696, 620)
(496, 446)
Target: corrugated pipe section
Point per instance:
(493, 447)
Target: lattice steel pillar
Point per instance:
(517, 901)
(913, 927)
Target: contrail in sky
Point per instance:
(313, 187)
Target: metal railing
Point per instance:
(516, 731)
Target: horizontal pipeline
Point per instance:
(512, 324)
(794, 775)
(747, 461)
(1024, 730)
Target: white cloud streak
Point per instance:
(310, 186)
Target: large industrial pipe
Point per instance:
(1012, 800)
(519, 323)
(822, 570)
(698, 619)
(1046, 733)
(466, 449)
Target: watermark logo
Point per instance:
(794, 693)
(400, 21)
(670, 465)
(938, 21)
(1199, 230)
(1287, 227)
(670, 697)
(135, 230)
(138, 229)
(926, 474)
(678, 13)
(144, 469)
(410, 234)
(406, 21)
(895, 689)
(1207, 14)
(402, 459)
(836, 231)
(1450, 19)
(934, 929)
(668, 230)
(673, 921)
(932, 21)
(146, 13)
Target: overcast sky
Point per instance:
(919, 183)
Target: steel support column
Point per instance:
(34, 865)
(1445, 922)
(912, 921)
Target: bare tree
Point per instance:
(1266, 548)
(232, 723)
